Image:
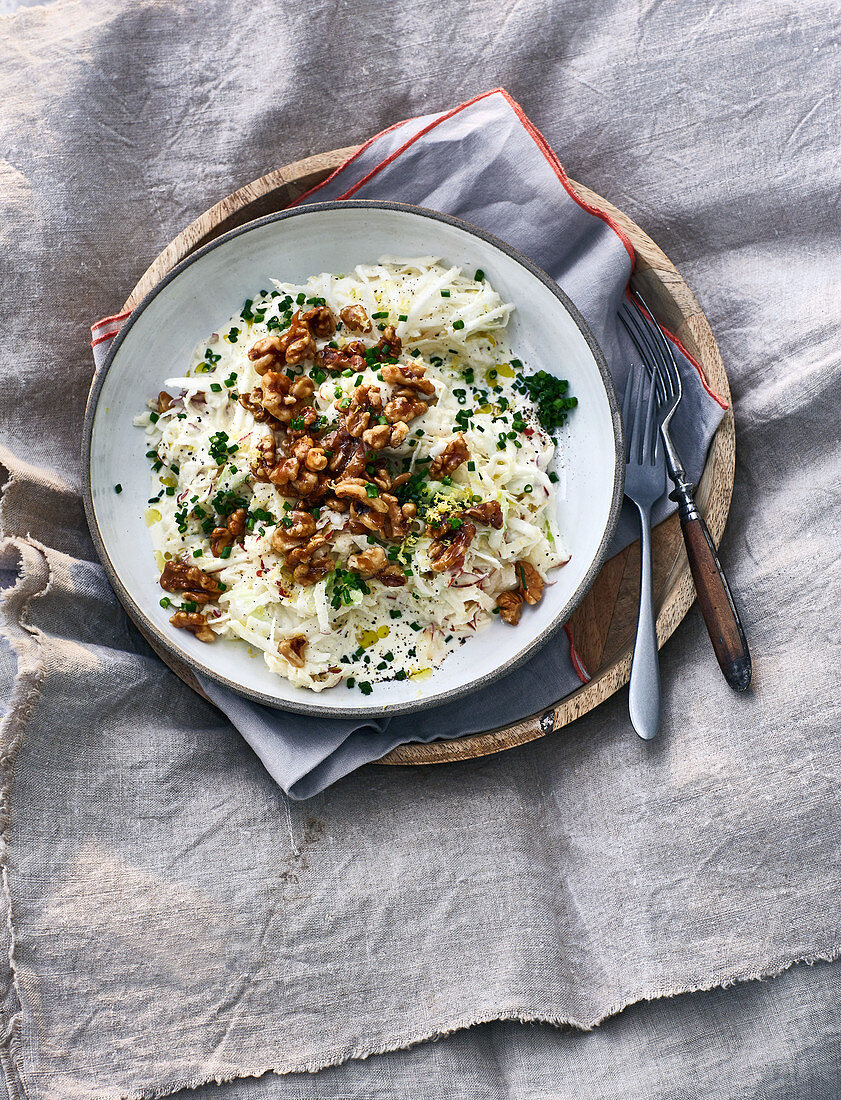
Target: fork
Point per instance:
(645, 483)
(714, 596)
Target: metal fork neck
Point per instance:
(683, 494)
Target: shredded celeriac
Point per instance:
(454, 325)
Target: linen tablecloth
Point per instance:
(175, 919)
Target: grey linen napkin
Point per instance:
(485, 162)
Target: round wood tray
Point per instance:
(604, 624)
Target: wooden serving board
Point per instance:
(604, 624)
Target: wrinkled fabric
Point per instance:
(522, 196)
(175, 918)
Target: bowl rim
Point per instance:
(316, 709)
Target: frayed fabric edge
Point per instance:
(464, 1023)
(34, 576)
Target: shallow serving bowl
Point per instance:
(546, 333)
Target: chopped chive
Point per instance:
(403, 317)
(528, 488)
(215, 387)
(471, 466)
(553, 477)
(118, 488)
(395, 614)
(166, 601)
(365, 687)
(372, 490)
(197, 553)
(458, 324)
(445, 293)
(154, 417)
(479, 276)
(400, 674)
(350, 680)
(225, 552)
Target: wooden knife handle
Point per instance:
(714, 596)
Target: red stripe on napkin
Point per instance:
(718, 399)
(577, 663)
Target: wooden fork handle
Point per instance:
(714, 596)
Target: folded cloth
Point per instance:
(484, 162)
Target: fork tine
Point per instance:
(637, 426)
(635, 327)
(626, 411)
(649, 448)
(667, 356)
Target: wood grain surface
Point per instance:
(603, 625)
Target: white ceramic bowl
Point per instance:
(546, 333)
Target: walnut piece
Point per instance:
(220, 537)
(165, 401)
(195, 622)
(450, 458)
(409, 377)
(529, 590)
(292, 649)
(283, 397)
(405, 406)
(296, 344)
(368, 562)
(320, 320)
(356, 319)
(311, 572)
(510, 605)
(531, 583)
(489, 513)
(356, 488)
(450, 540)
(198, 586)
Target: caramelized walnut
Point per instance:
(300, 341)
(450, 540)
(450, 458)
(198, 586)
(347, 358)
(389, 345)
(356, 488)
(292, 649)
(195, 622)
(392, 576)
(366, 403)
(283, 397)
(356, 319)
(320, 320)
(346, 453)
(368, 562)
(408, 376)
(265, 460)
(221, 537)
(307, 550)
(404, 407)
(252, 404)
(269, 353)
(300, 524)
(165, 401)
(490, 513)
(311, 572)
